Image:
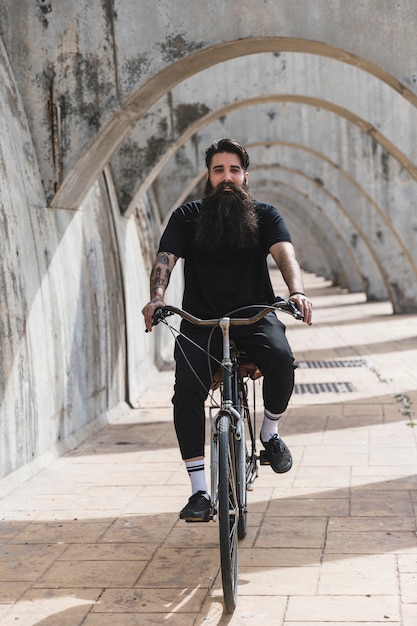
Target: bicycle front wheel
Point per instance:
(228, 512)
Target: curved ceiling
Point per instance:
(114, 132)
(354, 125)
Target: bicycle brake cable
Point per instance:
(181, 334)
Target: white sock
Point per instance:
(197, 475)
(270, 425)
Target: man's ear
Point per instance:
(246, 177)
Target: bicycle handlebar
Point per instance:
(283, 305)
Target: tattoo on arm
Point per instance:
(161, 273)
(163, 258)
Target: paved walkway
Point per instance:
(94, 538)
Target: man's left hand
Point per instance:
(305, 306)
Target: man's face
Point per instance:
(228, 219)
(226, 167)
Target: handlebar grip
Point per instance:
(290, 307)
(157, 316)
(295, 310)
(160, 315)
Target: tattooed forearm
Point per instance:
(159, 280)
(161, 274)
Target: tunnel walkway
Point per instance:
(94, 538)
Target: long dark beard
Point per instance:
(228, 220)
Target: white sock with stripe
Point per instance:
(196, 472)
(270, 425)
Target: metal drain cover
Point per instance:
(334, 363)
(323, 388)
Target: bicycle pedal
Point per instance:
(197, 521)
(263, 459)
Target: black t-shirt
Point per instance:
(217, 284)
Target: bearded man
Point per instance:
(225, 240)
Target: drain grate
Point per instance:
(323, 388)
(334, 363)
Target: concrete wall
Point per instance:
(144, 87)
(74, 353)
(62, 318)
(105, 111)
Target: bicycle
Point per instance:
(234, 463)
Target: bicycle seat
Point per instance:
(247, 368)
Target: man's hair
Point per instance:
(227, 145)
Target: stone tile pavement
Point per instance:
(94, 538)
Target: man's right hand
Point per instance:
(149, 310)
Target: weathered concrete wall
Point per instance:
(78, 62)
(106, 110)
(138, 238)
(62, 321)
(72, 284)
(143, 89)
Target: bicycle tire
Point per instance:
(241, 467)
(228, 512)
(240, 403)
(242, 456)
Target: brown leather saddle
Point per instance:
(246, 367)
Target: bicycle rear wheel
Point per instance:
(228, 512)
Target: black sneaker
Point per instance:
(278, 455)
(197, 509)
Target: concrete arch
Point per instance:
(364, 126)
(401, 301)
(372, 258)
(319, 155)
(111, 135)
(301, 214)
(136, 106)
(361, 256)
(377, 179)
(346, 197)
(265, 75)
(79, 64)
(373, 268)
(317, 254)
(347, 265)
(352, 278)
